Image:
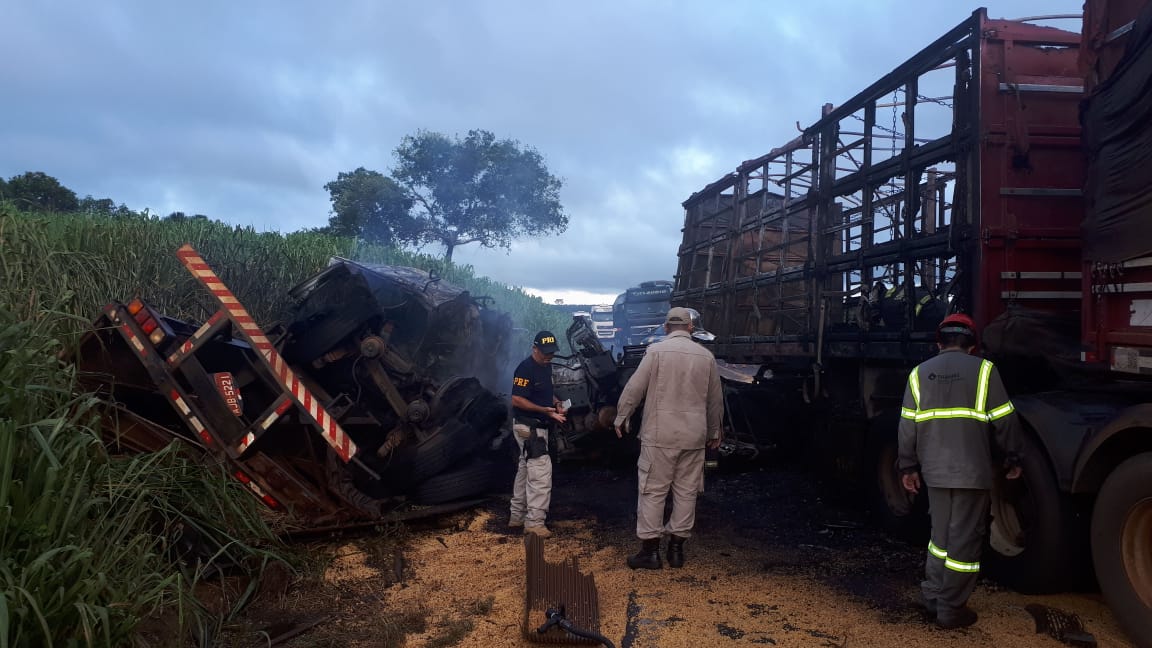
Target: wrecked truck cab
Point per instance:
(593, 380)
(589, 380)
(417, 358)
(420, 322)
(370, 396)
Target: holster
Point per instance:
(535, 446)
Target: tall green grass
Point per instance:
(92, 546)
(90, 260)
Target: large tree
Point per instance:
(99, 206)
(477, 190)
(39, 190)
(370, 205)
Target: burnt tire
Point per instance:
(1122, 545)
(415, 462)
(1031, 537)
(473, 478)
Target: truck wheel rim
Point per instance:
(1007, 535)
(1136, 549)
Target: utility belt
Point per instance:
(531, 423)
(536, 445)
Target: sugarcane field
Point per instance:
(631, 325)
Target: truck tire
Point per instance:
(1122, 545)
(1032, 537)
(903, 516)
(415, 462)
(473, 478)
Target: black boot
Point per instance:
(676, 551)
(648, 557)
(955, 618)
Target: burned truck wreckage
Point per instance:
(379, 391)
(592, 379)
(380, 395)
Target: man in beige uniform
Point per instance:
(683, 407)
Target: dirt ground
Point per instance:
(772, 562)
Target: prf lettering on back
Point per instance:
(520, 382)
(547, 340)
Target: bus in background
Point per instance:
(640, 308)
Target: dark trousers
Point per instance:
(958, 527)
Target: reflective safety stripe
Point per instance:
(914, 385)
(982, 386)
(956, 565)
(924, 301)
(947, 413)
(1001, 412)
(978, 413)
(936, 551)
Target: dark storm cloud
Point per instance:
(244, 110)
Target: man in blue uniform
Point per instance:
(534, 410)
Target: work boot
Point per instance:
(957, 618)
(676, 551)
(648, 557)
(516, 523)
(539, 530)
(926, 604)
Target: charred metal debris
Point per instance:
(377, 398)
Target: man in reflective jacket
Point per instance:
(952, 403)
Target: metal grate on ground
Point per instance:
(550, 585)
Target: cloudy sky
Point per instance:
(244, 110)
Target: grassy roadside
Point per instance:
(93, 547)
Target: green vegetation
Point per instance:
(94, 548)
(91, 546)
(86, 261)
(452, 192)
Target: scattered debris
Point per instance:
(844, 524)
(1062, 626)
(279, 633)
(729, 631)
(398, 564)
(758, 609)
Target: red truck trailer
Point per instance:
(962, 182)
(1114, 465)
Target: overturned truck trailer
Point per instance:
(373, 395)
(957, 183)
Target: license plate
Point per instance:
(226, 385)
